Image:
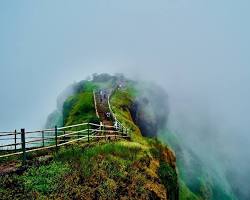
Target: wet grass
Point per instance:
(45, 178)
(96, 171)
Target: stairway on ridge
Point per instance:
(103, 108)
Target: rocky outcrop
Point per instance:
(150, 110)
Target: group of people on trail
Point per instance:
(116, 125)
(103, 95)
(108, 115)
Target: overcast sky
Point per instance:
(197, 49)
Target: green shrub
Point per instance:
(107, 189)
(44, 179)
(69, 154)
(11, 187)
(85, 86)
(168, 177)
(79, 108)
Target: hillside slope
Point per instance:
(197, 180)
(140, 168)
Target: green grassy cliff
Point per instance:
(139, 168)
(142, 167)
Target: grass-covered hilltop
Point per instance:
(142, 166)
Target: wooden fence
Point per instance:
(117, 123)
(31, 141)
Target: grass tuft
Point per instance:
(44, 179)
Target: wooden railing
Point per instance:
(117, 123)
(31, 141)
(95, 103)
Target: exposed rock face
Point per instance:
(150, 110)
(167, 171)
(169, 157)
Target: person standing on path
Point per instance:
(101, 95)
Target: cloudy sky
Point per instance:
(198, 50)
(193, 48)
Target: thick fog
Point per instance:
(199, 51)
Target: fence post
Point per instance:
(23, 145)
(43, 137)
(64, 138)
(104, 132)
(88, 131)
(56, 137)
(15, 140)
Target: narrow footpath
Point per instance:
(103, 108)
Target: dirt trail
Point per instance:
(103, 107)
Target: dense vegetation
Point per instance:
(80, 107)
(99, 170)
(196, 180)
(139, 168)
(201, 182)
